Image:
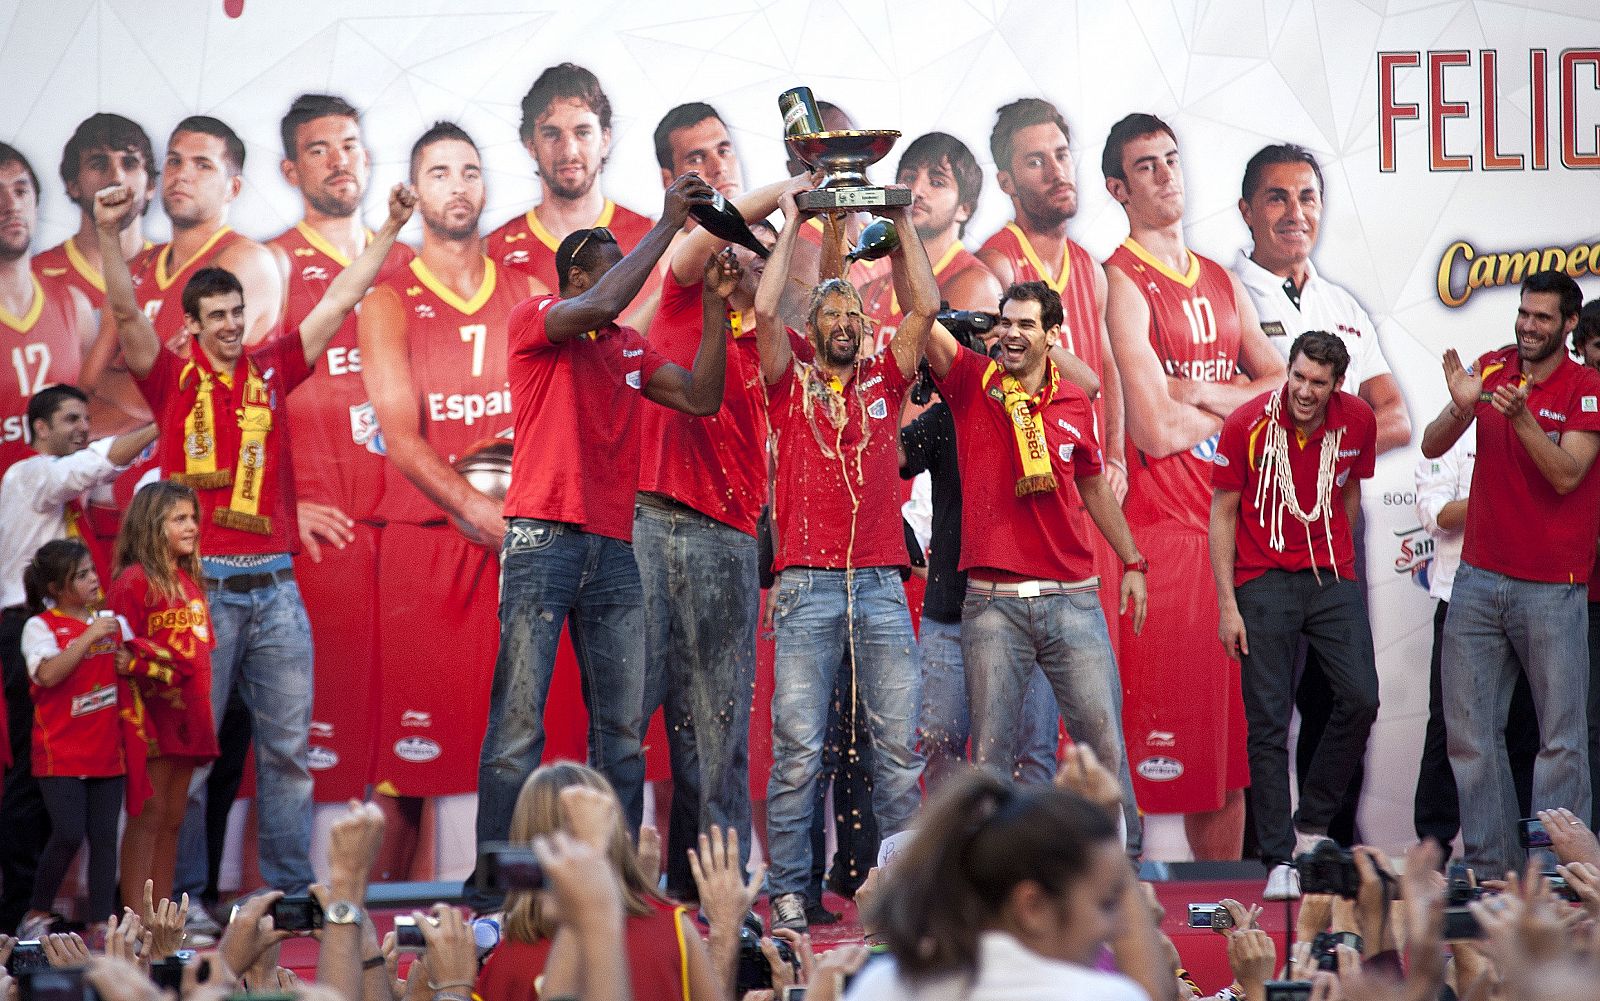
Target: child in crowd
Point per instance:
(157, 589)
(74, 654)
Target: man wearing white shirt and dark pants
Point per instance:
(40, 499)
(1442, 488)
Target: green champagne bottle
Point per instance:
(800, 114)
(879, 239)
(722, 218)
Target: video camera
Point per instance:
(967, 326)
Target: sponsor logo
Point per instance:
(364, 428)
(878, 409)
(636, 352)
(416, 750)
(93, 702)
(320, 759)
(1067, 427)
(1554, 415)
(1206, 450)
(1220, 459)
(414, 290)
(54, 272)
(321, 730)
(1065, 451)
(514, 237)
(1274, 329)
(1415, 555)
(313, 273)
(1159, 768)
(304, 252)
(416, 717)
(516, 257)
(633, 379)
(1589, 405)
(425, 311)
(1160, 738)
(469, 408)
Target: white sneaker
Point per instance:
(788, 911)
(1283, 883)
(1304, 842)
(200, 921)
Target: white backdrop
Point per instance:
(1230, 77)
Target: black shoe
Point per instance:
(817, 914)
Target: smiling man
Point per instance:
(221, 411)
(1286, 485)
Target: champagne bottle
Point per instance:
(721, 218)
(800, 115)
(879, 239)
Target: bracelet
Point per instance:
(373, 963)
(447, 985)
(451, 996)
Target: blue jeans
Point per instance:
(1494, 624)
(263, 647)
(819, 614)
(1002, 637)
(946, 721)
(702, 597)
(550, 571)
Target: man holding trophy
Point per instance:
(839, 543)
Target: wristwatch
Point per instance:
(343, 912)
(1141, 564)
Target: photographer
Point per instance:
(664, 952)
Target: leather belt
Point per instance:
(1032, 588)
(244, 583)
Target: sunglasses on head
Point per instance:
(598, 234)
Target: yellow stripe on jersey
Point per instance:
(1187, 281)
(163, 279)
(24, 323)
(81, 264)
(448, 296)
(322, 246)
(549, 239)
(1059, 282)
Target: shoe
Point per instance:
(200, 921)
(788, 911)
(1304, 843)
(1283, 883)
(36, 927)
(817, 914)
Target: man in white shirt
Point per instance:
(41, 499)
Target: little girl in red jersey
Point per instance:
(74, 656)
(157, 590)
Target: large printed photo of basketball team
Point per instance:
(802, 460)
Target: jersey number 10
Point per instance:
(1202, 320)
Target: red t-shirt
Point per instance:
(1041, 536)
(159, 288)
(1517, 525)
(878, 299)
(456, 349)
(657, 967)
(523, 245)
(718, 464)
(171, 387)
(1194, 328)
(76, 729)
(576, 406)
(1237, 466)
(338, 454)
(177, 717)
(837, 482)
(40, 348)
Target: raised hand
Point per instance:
(1570, 837)
(64, 949)
(1081, 772)
(250, 932)
(165, 921)
(686, 191)
(723, 272)
(112, 206)
(1465, 387)
(402, 199)
(591, 816)
(725, 894)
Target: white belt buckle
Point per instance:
(1028, 589)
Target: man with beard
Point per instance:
(1518, 596)
(202, 175)
(433, 350)
(840, 545)
(566, 129)
(338, 453)
(1189, 352)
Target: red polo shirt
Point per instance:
(576, 409)
(1237, 466)
(1043, 536)
(717, 464)
(1517, 525)
(838, 489)
(171, 388)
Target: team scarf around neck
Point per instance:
(200, 447)
(1033, 452)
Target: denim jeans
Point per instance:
(1002, 637)
(550, 571)
(946, 721)
(1278, 608)
(1496, 623)
(263, 647)
(702, 597)
(819, 614)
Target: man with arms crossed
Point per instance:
(1188, 352)
(840, 545)
(1283, 559)
(1522, 601)
(221, 413)
(1029, 464)
(576, 383)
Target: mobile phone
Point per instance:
(1288, 990)
(407, 936)
(1212, 916)
(47, 983)
(26, 956)
(794, 994)
(503, 866)
(1531, 831)
(297, 914)
(1460, 925)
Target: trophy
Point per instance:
(843, 158)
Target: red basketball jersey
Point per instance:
(1194, 328)
(338, 455)
(1074, 282)
(880, 303)
(64, 263)
(458, 352)
(158, 281)
(76, 730)
(41, 348)
(524, 245)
